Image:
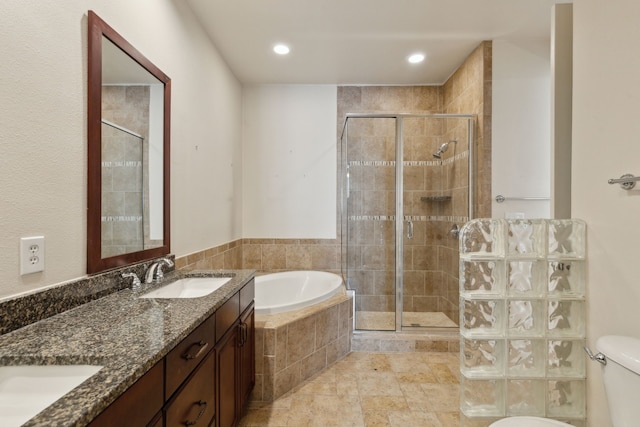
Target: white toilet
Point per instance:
(621, 375)
(528, 422)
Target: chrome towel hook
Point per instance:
(626, 181)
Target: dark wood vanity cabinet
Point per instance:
(235, 367)
(204, 381)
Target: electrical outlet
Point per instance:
(31, 254)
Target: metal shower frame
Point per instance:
(399, 212)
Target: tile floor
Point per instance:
(370, 390)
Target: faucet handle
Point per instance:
(135, 283)
(154, 272)
(159, 274)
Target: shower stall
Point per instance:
(407, 187)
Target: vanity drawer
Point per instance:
(195, 403)
(227, 315)
(136, 406)
(247, 295)
(184, 358)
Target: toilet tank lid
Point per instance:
(624, 351)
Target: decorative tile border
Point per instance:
(121, 218)
(450, 160)
(459, 219)
(134, 163)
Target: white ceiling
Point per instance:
(362, 41)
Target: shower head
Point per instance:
(443, 148)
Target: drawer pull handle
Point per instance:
(204, 408)
(203, 346)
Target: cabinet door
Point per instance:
(247, 366)
(138, 405)
(226, 378)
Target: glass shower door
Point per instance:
(370, 152)
(435, 201)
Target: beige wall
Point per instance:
(521, 127)
(43, 130)
(605, 145)
(289, 161)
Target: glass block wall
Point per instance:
(522, 320)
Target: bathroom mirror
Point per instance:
(128, 152)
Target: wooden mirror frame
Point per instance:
(95, 262)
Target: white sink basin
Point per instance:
(27, 389)
(189, 287)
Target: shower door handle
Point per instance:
(409, 229)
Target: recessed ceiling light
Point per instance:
(416, 58)
(281, 49)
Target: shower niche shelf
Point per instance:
(438, 198)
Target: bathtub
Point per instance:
(293, 290)
(303, 324)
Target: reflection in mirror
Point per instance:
(132, 100)
(128, 128)
(123, 190)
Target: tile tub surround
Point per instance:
(267, 255)
(22, 310)
(126, 334)
(293, 346)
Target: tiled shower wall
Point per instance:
(467, 91)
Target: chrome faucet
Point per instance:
(154, 272)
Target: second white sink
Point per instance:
(28, 389)
(189, 287)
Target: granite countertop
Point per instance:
(125, 334)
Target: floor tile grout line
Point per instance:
(366, 363)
